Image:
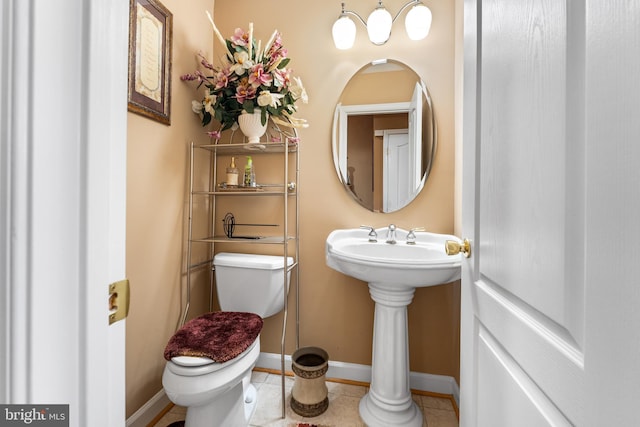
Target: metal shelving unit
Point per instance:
(285, 145)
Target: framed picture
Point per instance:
(150, 32)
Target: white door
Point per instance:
(550, 330)
(63, 78)
(396, 172)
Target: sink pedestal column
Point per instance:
(388, 402)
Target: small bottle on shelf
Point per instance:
(249, 173)
(232, 173)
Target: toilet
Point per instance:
(217, 391)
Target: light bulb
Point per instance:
(418, 22)
(379, 25)
(344, 33)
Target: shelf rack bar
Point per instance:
(285, 284)
(190, 230)
(213, 182)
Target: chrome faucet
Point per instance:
(373, 236)
(391, 234)
(411, 236)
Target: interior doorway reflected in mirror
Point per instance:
(384, 136)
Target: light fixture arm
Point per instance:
(354, 13)
(363, 22)
(402, 9)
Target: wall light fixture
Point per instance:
(378, 24)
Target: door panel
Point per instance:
(397, 179)
(528, 290)
(524, 155)
(528, 405)
(541, 351)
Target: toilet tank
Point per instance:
(250, 282)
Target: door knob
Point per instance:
(453, 247)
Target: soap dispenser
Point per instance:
(249, 173)
(232, 173)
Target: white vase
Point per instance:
(251, 126)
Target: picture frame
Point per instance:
(150, 56)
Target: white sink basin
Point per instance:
(423, 264)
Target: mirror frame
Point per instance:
(339, 133)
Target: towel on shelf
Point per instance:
(220, 336)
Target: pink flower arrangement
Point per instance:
(250, 79)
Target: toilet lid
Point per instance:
(214, 337)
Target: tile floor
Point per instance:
(342, 411)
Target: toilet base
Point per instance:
(226, 410)
(234, 408)
(250, 401)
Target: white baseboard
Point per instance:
(143, 416)
(442, 384)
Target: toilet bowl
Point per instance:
(213, 393)
(220, 394)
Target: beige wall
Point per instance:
(336, 311)
(157, 167)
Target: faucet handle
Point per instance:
(373, 236)
(391, 234)
(411, 236)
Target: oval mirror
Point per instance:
(384, 136)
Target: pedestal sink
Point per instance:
(393, 271)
